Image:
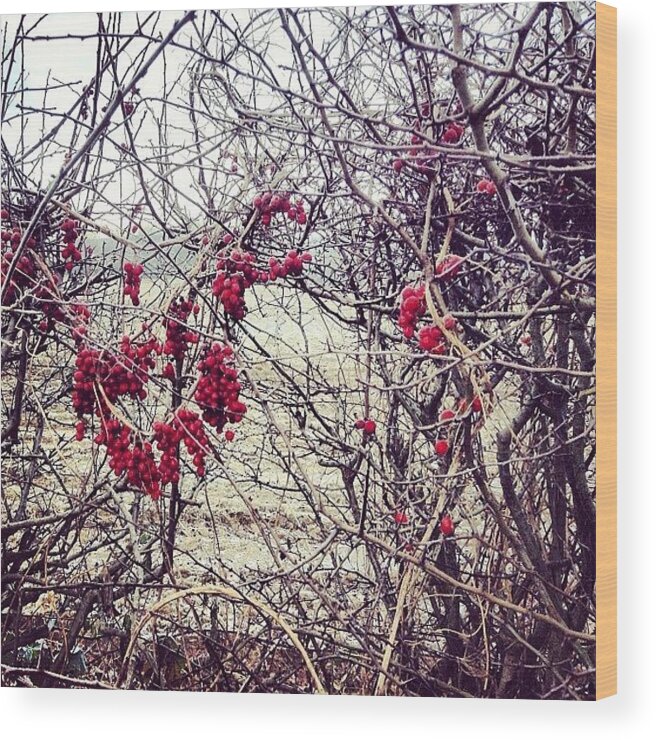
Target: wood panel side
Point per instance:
(606, 418)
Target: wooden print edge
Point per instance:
(606, 416)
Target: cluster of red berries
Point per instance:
(142, 470)
(449, 267)
(11, 238)
(140, 356)
(431, 339)
(76, 315)
(131, 456)
(270, 203)
(80, 318)
(194, 438)
(186, 427)
(22, 278)
(452, 133)
(132, 286)
(217, 392)
(49, 301)
(90, 367)
(420, 154)
(291, 265)
(368, 426)
(125, 374)
(70, 253)
(421, 157)
(487, 187)
(400, 517)
(413, 307)
(464, 406)
(235, 272)
(178, 334)
(167, 439)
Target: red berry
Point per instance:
(477, 404)
(400, 517)
(229, 435)
(369, 426)
(441, 446)
(447, 415)
(452, 134)
(450, 323)
(398, 165)
(486, 187)
(449, 267)
(446, 526)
